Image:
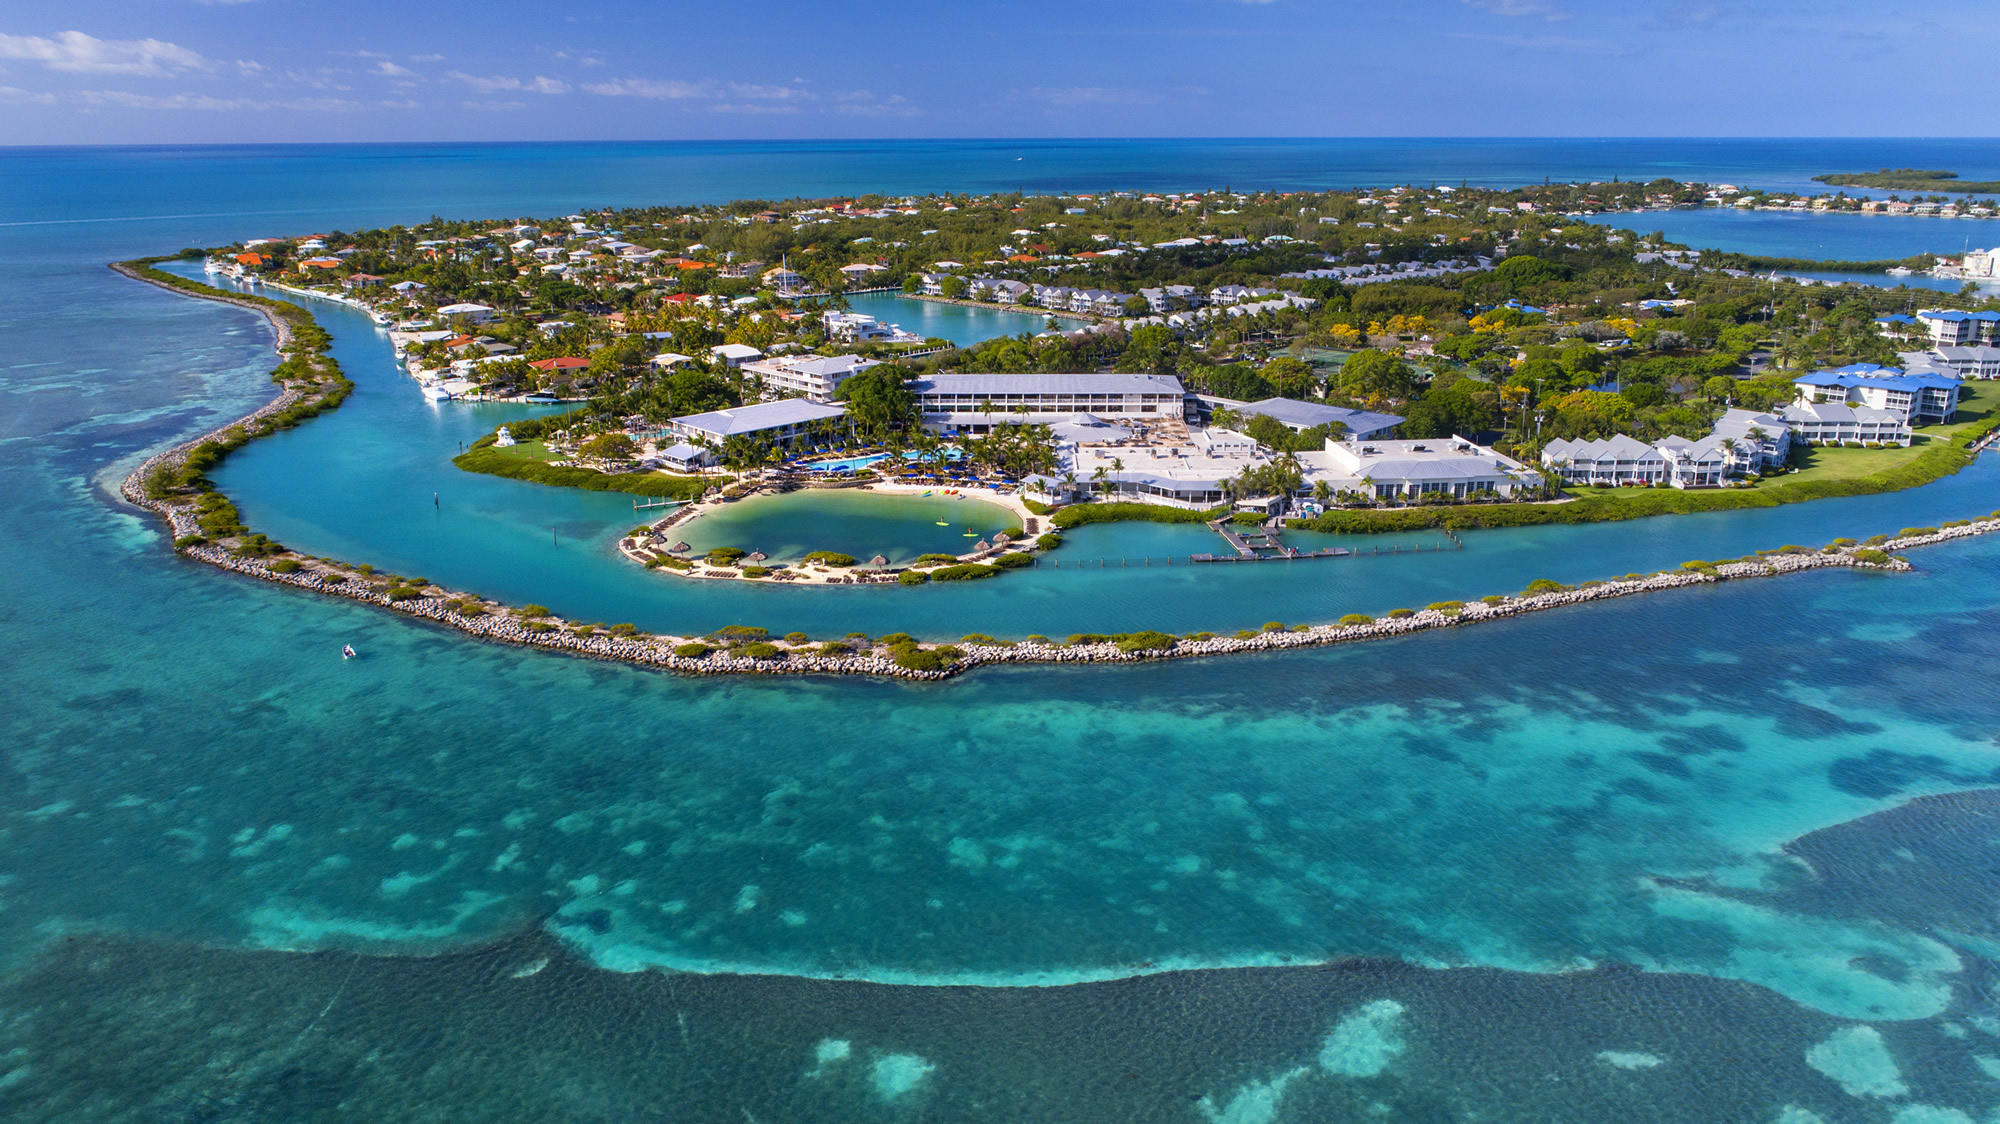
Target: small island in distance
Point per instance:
(1910, 179)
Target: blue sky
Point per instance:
(91, 71)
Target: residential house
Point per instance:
(473, 313)
(734, 354)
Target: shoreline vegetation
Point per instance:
(1911, 179)
(206, 527)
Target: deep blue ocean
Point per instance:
(1726, 854)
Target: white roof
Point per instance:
(764, 415)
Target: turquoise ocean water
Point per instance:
(1712, 855)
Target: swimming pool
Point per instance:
(849, 464)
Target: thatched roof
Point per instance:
(1003, 537)
(757, 556)
(878, 560)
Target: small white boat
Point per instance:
(211, 266)
(437, 393)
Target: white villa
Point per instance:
(855, 327)
(815, 376)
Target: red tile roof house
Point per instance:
(557, 366)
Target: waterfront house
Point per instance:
(562, 365)
(1614, 461)
(1695, 464)
(1831, 423)
(1761, 440)
(779, 423)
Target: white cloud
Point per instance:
(1537, 9)
(125, 99)
(1093, 95)
(767, 93)
(650, 88)
(494, 85)
(86, 54)
(14, 95)
(388, 69)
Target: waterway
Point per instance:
(1652, 859)
(961, 324)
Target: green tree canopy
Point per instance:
(879, 400)
(1377, 373)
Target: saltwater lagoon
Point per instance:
(963, 325)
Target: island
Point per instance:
(1262, 363)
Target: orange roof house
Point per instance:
(250, 259)
(565, 363)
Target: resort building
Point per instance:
(1979, 361)
(776, 423)
(1755, 441)
(1613, 461)
(1201, 472)
(1359, 425)
(1744, 441)
(1822, 423)
(1951, 328)
(815, 376)
(1919, 397)
(954, 403)
(1412, 470)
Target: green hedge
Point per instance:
(970, 571)
(1077, 515)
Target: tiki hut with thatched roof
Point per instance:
(756, 556)
(878, 560)
(1002, 539)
